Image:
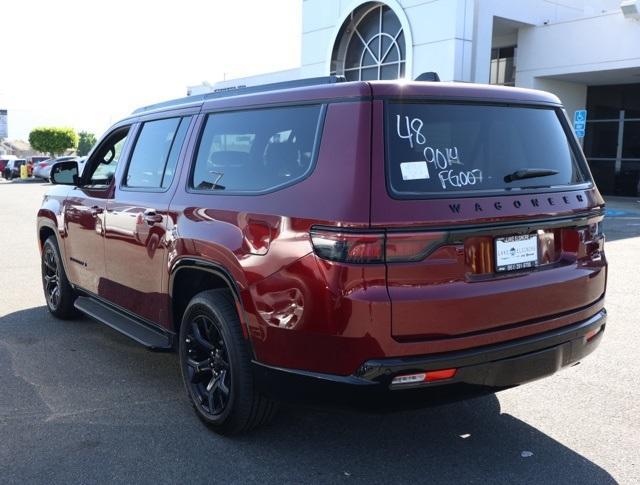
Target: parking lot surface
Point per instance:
(79, 403)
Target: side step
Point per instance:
(132, 328)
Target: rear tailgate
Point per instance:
(467, 250)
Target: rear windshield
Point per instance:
(449, 148)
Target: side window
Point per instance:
(172, 161)
(256, 150)
(153, 161)
(103, 163)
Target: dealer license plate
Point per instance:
(516, 252)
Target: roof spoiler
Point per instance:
(429, 77)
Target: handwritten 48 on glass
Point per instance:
(444, 162)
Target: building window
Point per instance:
(612, 141)
(370, 45)
(503, 66)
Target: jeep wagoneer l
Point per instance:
(375, 237)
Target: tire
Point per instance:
(215, 362)
(58, 292)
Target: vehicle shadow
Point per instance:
(465, 442)
(81, 403)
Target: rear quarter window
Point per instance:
(436, 149)
(256, 151)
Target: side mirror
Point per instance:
(65, 173)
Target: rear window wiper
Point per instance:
(529, 173)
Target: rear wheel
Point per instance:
(57, 290)
(216, 366)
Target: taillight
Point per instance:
(374, 247)
(349, 247)
(585, 241)
(42, 165)
(411, 246)
(594, 231)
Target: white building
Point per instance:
(585, 51)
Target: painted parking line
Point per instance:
(615, 213)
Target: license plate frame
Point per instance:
(516, 252)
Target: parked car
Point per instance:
(376, 239)
(3, 162)
(43, 169)
(32, 162)
(12, 168)
(81, 163)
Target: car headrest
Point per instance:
(229, 158)
(281, 154)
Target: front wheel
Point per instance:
(216, 366)
(57, 290)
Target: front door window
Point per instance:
(103, 163)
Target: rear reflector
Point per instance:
(592, 333)
(439, 375)
(429, 376)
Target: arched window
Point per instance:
(370, 45)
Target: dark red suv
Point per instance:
(367, 238)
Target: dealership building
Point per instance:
(587, 52)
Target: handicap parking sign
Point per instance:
(580, 116)
(580, 122)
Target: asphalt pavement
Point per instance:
(80, 403)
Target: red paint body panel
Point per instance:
(304, 312)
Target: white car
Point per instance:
(43, 169)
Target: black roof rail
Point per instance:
(239, 90)
(179, 102)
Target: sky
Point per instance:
(86, 64)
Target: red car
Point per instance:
(3, 165)
(359, 238)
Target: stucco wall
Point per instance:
(455, 37)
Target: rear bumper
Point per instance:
(483, 369)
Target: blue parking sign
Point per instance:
(580, 116)
(580, 122)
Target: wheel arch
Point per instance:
(47, 228)
(44, 232)
(190, 276)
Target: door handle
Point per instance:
(96, 209)
(151, 217)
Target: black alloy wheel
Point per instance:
(51, 277)
(208, 365)
(215, 361)
(58, 292)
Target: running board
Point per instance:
(132, 328)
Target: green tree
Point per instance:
(86, 141)
(53, 140)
